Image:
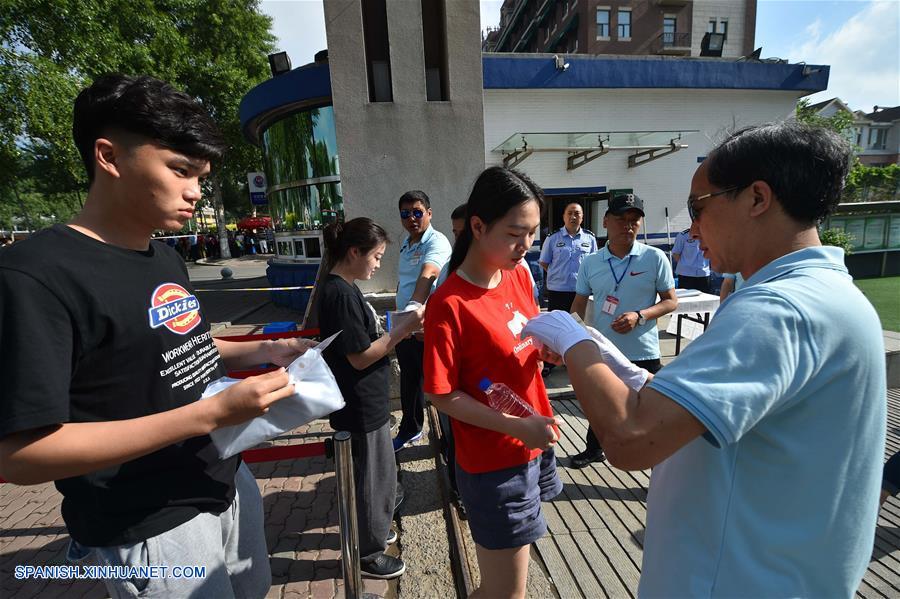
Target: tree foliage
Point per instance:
(215, 50)
(841, 122)
(872, 183)
(864, 183)
(838, 238)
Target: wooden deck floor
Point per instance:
(596, 535)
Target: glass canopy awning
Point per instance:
(582, 147)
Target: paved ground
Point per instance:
(301, 531)
(245, 267)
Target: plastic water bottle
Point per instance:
(503, 399)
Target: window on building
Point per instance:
(434, 37)
(378, 50)
(624, 24)
(603, 23)
(877, 139)
(723, 28)
(859, 135)
(669, 30)
(711, 26)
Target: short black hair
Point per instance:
(411, 197)
(147, 107)
(459, 212)
(805, 166)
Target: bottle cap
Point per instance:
(484, 384)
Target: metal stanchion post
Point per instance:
(346, 492)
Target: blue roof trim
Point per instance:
(301, 84)
(539, 72)
(566, 191)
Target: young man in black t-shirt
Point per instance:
(105, 351)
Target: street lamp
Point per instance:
(279, 63)
(712, 44)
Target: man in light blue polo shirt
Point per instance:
(423, 254)
(625, 277)
(691, 265)
(561, 257)
(731, 282)
(766, 451)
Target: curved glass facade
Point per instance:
(300, 159)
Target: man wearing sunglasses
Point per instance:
(766, 446)
(423, 254)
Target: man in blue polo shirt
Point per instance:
(767, 449)
(562, 254)
(625, 278)
(423, 254)
(691, 265)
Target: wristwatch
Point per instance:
(641, 319)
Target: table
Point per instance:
(697, 309)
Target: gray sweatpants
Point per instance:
(375, 477)
(230, 547)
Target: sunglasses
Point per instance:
(694, 212)
(416, 212)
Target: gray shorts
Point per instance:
(504, 506)
(229, 547)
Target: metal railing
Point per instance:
(671, 38)
(670, 41)
(346, 494)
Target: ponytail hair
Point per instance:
(362, 233)
(497, 190)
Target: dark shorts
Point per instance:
(504, 506)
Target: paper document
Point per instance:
(316, 395)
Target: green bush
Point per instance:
(837, 238)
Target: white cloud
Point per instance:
(814, 29)
(864, 55)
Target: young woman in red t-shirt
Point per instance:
(505, 465)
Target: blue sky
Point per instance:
(859, 39)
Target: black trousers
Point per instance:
(560, 300)
(891, 480)
(590, 440)
(698, 283)
(449, 449)
(410, 354)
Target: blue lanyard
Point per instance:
(613, 271)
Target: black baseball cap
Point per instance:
(624, 202)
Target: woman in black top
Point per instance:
(358, 359)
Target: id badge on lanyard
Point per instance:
(610, 304)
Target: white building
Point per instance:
(685, 102)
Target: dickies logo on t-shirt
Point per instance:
(173, 307)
